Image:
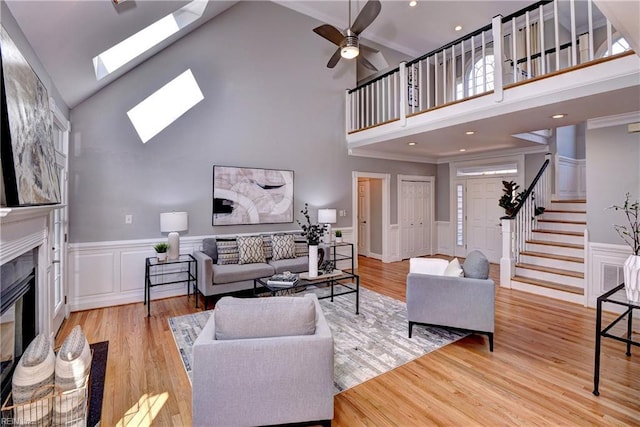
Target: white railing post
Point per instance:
(507, 262)
(402, 69)
(498, 63)
(347, 111)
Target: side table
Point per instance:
(617, 296)
(158, 273)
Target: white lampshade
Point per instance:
(349, 52)
(327, 216)
(172, 222)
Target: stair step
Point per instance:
(566, 233)
(562, 221)
(559, 244)
(564, 211)
(546, 284)
(552, 256)
(559, 271)
(570, 201)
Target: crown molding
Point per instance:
(616, 120)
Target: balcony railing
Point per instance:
(542, 39)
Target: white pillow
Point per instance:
(453, 269)
(433, 266)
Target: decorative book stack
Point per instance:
(283, 280)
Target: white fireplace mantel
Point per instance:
(24, 229)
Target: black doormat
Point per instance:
(96, 388)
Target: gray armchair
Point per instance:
(467, 303)
(263, 361)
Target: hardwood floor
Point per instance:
(541, 372)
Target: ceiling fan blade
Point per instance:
(334, 59)
(368, 49)
(366, 64)
(330, 33)
(368, 13)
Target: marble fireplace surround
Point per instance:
(21, 230)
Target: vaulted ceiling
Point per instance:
(66, 35)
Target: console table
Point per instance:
(158, 273)
(617, 296)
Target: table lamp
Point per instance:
(172, 223)
(327, 216)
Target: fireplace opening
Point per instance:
(18, 315)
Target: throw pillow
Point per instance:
(240, 318)
(476, 266)
(227, 251)
(250, 249)
(454, 269)
(283, 246)
(210, 248)
(73, 365)
(33, 378)
(302, 247)
(432, 266)
(267, 246)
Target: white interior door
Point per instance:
(483, 217)
(364, 219)
(415, 218)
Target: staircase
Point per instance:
(552, 262)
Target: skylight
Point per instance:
(164, 106)
(117, 56)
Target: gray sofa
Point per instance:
(263, 361)
(466, 303)
(216, 279)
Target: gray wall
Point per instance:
(613, 156)
(265, 106)
(442, 192)
(11, 26)
(375, 238)
(566, 141)
(532, 165)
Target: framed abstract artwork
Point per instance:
(252, 196)
(28, 157)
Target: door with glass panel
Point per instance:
(58, 228)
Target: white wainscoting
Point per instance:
(570, 178)
(393, 245)
(103, 274)
(605, 269)
(444, 236)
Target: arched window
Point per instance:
(476, 78)
(618, 45)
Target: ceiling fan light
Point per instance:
(349, 47)
(349, 52)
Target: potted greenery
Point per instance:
(631, 236)
(511, 198)
(313, 233)
(338, 236)
(161, 250)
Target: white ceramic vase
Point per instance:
(313, 260)
(631, 268)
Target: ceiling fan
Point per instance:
(348, 43)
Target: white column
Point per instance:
(507, 262)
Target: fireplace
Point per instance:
(18, 319)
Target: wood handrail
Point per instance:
(527, 193)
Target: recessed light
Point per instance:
(462, 150)
(470, 132)
(411, 144)
(412, 3)
(458, 27)
(558, 116)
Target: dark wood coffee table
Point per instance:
(346, 283)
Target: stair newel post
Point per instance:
(507, 262)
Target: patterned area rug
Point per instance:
(366, 345)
